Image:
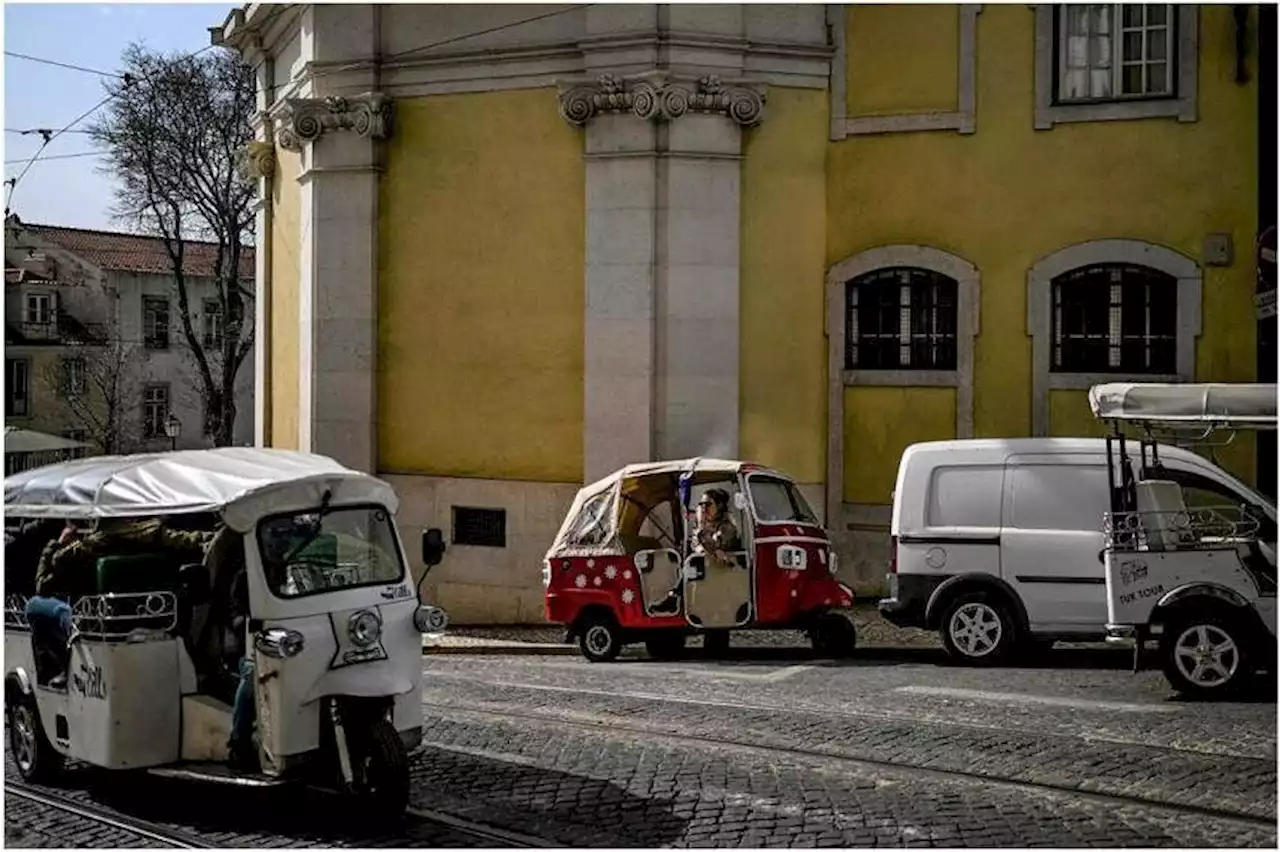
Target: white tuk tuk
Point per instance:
(1190, 560)
(334, 627)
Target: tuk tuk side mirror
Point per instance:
(739, 501)
(432, 547)
(194, 581)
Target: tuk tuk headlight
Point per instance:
(430, 619)
(279, 643)
(833, 563)
(364, 628)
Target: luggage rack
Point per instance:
(1188, 529)
(128, 616)
(15, 613)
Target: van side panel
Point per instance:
(1052, 537)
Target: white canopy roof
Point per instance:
(243, 481)
(28, 441)
(1241, 406)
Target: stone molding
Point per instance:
(658, 96)
(258, 160)
(304, 120)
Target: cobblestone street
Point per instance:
(774, 749)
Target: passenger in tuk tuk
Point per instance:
(716, 535)
(67, 563)
(240, 746)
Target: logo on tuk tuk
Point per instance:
(89, 682)
(1132, 571)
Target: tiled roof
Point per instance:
(123, 252)
(14, 275)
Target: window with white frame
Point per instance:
(1113, 52)
(901, 318)
(1115, 318)
(155, 410)
(212, 324)
(39, 309)
(73, 376)
(155, 322)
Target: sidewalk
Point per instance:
(549, 639)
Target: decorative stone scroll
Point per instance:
(304, 120)
(258, 160)
(658, 97)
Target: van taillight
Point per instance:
(893, 555)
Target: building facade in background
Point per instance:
(506, 249)
(94, 346)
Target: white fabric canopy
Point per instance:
(27, 441)
(230, 478)
(1246, 406)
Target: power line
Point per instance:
(54, 62)
(60, 157)
(43, 131)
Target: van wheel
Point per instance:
(1205, 654)
(665, 646)
(977, 629)
(35, 756)
(599, 639)
(833, 635)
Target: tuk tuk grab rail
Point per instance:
(117, 616)
(1183, 529)
(15, 613)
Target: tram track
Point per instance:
(75, 806)
(618, 724)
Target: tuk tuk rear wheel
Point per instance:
(381, 770)
(600, 639)
(715, 643)
(665, 646)
(37, 760)
(1205, 653)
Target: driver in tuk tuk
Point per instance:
(716, 535)
(67, 563)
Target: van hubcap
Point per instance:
(976, 629)
(599, 639)
(1206, 655)
(24, 737)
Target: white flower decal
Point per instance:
(626, 575)
(610, 572)
(591, 563)
(595, 581)
(628, 596)
(793, 593)
(580, 581)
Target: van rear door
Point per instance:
(1051, 539)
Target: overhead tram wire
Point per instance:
(57, 64)
(59, 157)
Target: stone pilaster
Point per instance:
(662, 267)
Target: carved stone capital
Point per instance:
(658, 96)
(304, 120)
(258, 160)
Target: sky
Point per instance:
(72, 192)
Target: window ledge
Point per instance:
(903, 378)
(1084, 381)
(1183, 109)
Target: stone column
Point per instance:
(662, 266)
(338, 138)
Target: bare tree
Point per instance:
(174, 133)
(96, 383)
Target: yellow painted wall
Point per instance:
(879, 423)
(1009, 195)
(286, 283)
(881, 41)
(783, 365)
(481, 287)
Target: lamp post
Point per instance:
(173, 428)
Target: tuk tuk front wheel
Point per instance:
(380, 768)
(833, 635)
(1205, 654)
(37, 760)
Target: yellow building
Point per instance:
(510, 248)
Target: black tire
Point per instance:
(37, 760)
(978, 629)
(1193, 657)
(665, 646)
(381, 769)
(715, 643)
(833, 635)
(600, 639)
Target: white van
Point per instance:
(999, 542)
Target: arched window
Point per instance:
(901, 318)
(1115, 318)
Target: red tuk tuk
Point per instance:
(626, 565)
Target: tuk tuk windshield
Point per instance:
(324, 551)
(778, 500)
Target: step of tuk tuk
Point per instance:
(218, 773)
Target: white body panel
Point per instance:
(992, 506)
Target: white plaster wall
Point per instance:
(484, 585)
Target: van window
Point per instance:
(965, 496)
(1057, 497)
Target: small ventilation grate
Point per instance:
(480, 527)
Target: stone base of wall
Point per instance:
(483, 585)
(863, 542)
